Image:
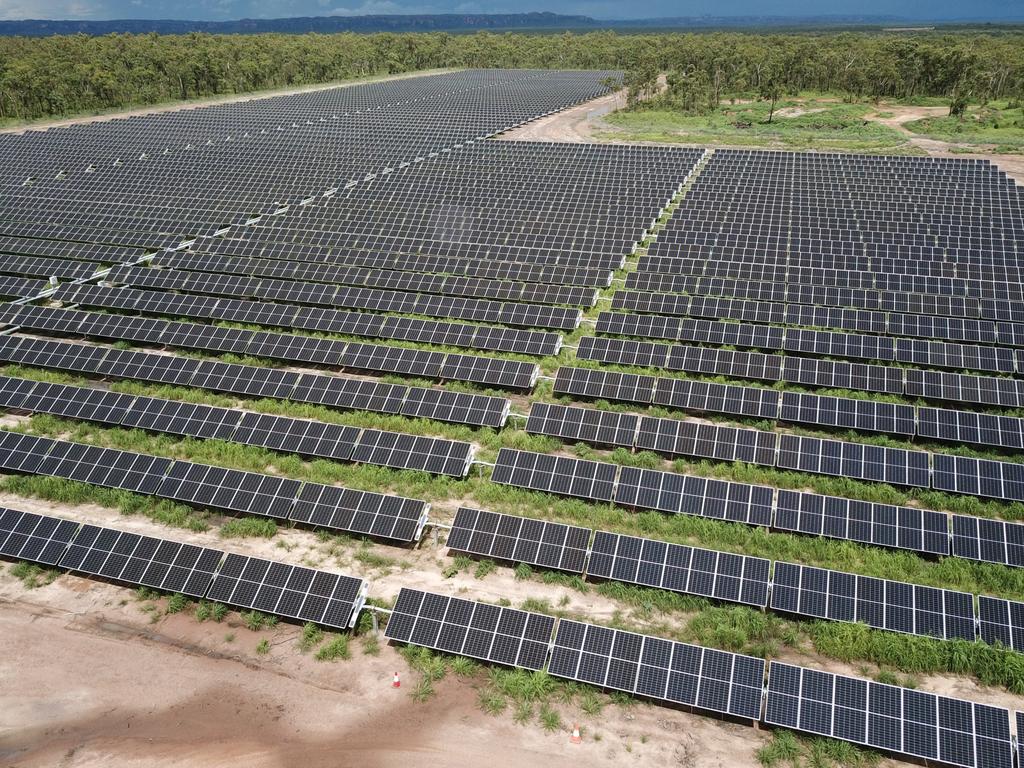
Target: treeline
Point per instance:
(57, 76)
(702, 70)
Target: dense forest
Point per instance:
(63, 75)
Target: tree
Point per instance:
(770, 87)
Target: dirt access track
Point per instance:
(584, 122)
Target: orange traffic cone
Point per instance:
(395, 682)
(575, 738)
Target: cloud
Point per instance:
(49, 9)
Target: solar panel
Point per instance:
(854, 460)
(304, 594)
(705, 678)
(688, 495)
(1001, 621)
(129, 557)
(900, 720)
(711, 441)
(32, 537)
(679, 568)
(372, 514)
(401, 451)
(880, 603)
(978, 477)
(992, 541)
(583, 424)
(554, 474)
(609, 385)
(520, 539)
(478, 630)
(883, 525)
(229, 489)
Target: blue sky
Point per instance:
(603, 9)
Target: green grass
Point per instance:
(995, 124)
(248, 527)
(33, 576)
(71, 493)
(256, 621)
(334, 649)
(177, 603)
(787, 750)
(832, 128)
(311, 636)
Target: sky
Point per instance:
(221, 10)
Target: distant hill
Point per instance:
(432, 23)
(301, 25)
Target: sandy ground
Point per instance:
(897, 117)
(177, 106)
(578, 124)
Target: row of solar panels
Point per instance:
(899, 720)
(378, 300)
(279, 346)
(323, 293)
(291, 316)
(304, 437)
(857, 461)
(793, 295)
(959, 732)
(325, 265)
(870, 276)
(257, 381)
(800, 590)
(951, 303)
(249, 493)
(290, 591)
(835, 374)
(795, 407)
(887, 525)
(924, 325)
(932, 354)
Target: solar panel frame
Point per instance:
(482, 631)
(520, 539)
(644, 665)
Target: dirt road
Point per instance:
(896, 117)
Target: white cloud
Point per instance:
(48, 9)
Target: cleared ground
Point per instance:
(878, 129)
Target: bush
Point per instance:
(177, 603)
(336, 648)
(311, 636)
(249, 527)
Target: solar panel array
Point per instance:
(339, 392)
(251, 493)
(900, 720)
(886, 525)
(886, 717)
(354, 229)
(790, 588)
(278, 433)
(861, 415)
(290, 591)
